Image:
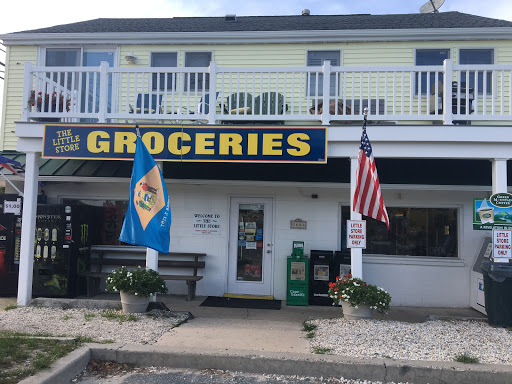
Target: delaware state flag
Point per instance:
(148, 218)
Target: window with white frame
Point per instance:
(62, 57)
(197, 81)
(428, 232)
(162, 81)
(317, 58)
(429, 57)
(477, 56)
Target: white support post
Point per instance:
(151, 254)
(356, 253)
(326, 92)
(103, 100)
(447, 92)
(28, 227)
(212, 111)
(499, 176)
(27, 89)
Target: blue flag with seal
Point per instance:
(148, 218)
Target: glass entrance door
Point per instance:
(250, 251)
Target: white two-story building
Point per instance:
(232, 108)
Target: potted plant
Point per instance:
(53, 102)
(135, 287)
(357, 298)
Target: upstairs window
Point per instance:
(317, 58)
(197, 81)
(430, 57)
(477, 56)
(164, 59)
(62, 57)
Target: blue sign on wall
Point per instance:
(287, 144)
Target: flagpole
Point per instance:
(12, 185)
(356, 253)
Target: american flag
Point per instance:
(368, 199)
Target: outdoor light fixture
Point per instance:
(131, 58)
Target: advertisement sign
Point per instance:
(501, 245)
(266, 144)
(493, 213)
(356, 234)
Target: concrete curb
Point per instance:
(64, 369)
(417, 372)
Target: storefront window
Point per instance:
(428, 232)
(109, 214)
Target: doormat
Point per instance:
(229, 302)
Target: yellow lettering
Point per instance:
(252, 143)
(158, 141)
(230, 140)
(94, 145)
(297, 140)
(204, 140)
(125, 139)
(270, 142)
(175, 143)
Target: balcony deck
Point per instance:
(270, 95)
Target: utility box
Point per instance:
(298, 281)
(321, 272)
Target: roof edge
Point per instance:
(259, 37)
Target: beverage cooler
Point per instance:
(321, 272)
(61, 251)
(10, 240)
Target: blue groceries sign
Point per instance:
(285, 144)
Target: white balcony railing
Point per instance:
(268, 94)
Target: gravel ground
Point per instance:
(432, 340)
(89, 323)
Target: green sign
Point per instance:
(502, 200)
(488, 216)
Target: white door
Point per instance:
(250, 246)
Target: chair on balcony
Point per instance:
(272, 105)
(239, 103)
(144, 108)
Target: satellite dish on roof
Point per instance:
(431, 6)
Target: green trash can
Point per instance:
(498, 293)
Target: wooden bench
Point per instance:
(136, 256)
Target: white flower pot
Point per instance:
(352, 313)
(132, 303)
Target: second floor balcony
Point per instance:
(329, 95)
